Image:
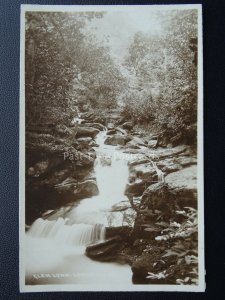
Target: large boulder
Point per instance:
(143, 171)
(86, 189)
(183, 180)
(108, 250)
(111, 132)
(135, 143)
(178, 191)
(75, 190)
(117, 139)
(86, 132)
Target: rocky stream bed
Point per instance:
(157, 233)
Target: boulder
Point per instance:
(117, 140)
(152, 144)
(107, 250)
(86, 132)
(123, 131)
(127, 125)
(135, 143)
(143, 171)
(169, 165)
(98, 126)
(140, 159)
(136, 188)
(86, 189)
(178, 191)
(74, 190)
(185, 179)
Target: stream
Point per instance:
(55, 247)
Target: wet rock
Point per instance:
(171, 152)
(86, 132)
(169, 165)
(111, 131)
(117, 140)
(127, 125)
(135, 143)
(120, 130)
(143, 171)
(107, 250)
(184, 179)
(74, 190)
(152, 144)
(87, 115)
(86, 189)
(178, 191)
(140, 159)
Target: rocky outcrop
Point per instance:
(135, 143)
(56, 170)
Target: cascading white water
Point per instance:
(111, 172)
(76, 234)
(59, 245)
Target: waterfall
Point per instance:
(111, 171)
(75, 234)
(160, 174)
(57, 245)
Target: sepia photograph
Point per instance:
(111, 148)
